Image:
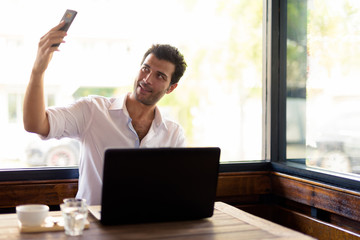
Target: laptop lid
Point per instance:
(158, 184)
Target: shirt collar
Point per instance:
(158, 118)
(120, 104)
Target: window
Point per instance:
(13, 107)
(218, 102)
(323, 114)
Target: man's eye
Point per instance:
(145, 69)
(161, 76)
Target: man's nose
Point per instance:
(147, 78)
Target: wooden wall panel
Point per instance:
(50, 192)
(329, 198)
(245, 187)
(244, 183)
(310, 226)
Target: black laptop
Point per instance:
(158, 184)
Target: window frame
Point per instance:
(34, 174)
(279, 161)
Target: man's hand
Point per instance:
(46, 50)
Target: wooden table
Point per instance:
(227, 223)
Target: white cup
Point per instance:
(32, 214)
(74, 212)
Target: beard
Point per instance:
(145, 94)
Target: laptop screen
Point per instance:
(159, 184)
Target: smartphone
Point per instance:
(68, 17)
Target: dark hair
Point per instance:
(171, 54)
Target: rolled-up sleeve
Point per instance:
(68, 121)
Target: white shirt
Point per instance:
(100, 123)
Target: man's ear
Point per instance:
(171, 88)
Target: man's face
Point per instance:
(153, 80)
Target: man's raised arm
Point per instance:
(34, 113)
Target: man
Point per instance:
(132, 121)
